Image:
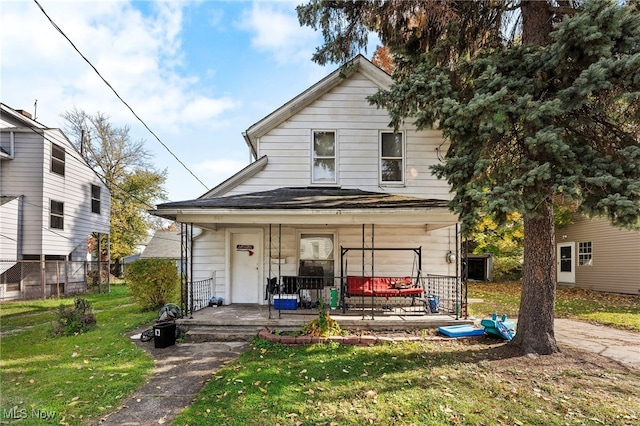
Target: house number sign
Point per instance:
(245, 247)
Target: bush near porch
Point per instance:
(153, 282)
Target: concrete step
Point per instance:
(227, 333)
(214, 335)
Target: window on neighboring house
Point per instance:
(57, 159)
(324, 157)
(95, 199)
(316, 250)
(56, 214)
(391, 157)
(585, 254)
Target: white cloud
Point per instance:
(139, 55)
(276, 29)
(213, 172)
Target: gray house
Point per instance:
(51, 201)
(593, 254)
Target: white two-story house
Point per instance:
(51, 202)
(333, 191)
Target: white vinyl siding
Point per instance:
(358, 126)
(210, 260)
(29, 174)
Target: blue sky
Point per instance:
(197, 72)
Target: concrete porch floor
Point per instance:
(252, 318)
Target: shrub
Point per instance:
(76, 319)
(507, 269)
(324, 325)
(153, 282)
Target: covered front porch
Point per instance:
(290, 250)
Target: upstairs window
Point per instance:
(585, 254)
(391, 157)
(57, 159)
(95, 199)
(56, 214)
(324, 157)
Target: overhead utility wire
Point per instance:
(118, 96)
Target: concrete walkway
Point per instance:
(183, 369)
(180, 372)
(618, 345)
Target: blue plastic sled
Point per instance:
(461, 331)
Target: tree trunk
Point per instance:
(537, 22)
(535, 332)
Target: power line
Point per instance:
(118, 96)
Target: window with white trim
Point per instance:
(57, 159)
(56, 214)
(391, 157)
(95, 199)
(317, 250)
(585, 254)
(324, 157)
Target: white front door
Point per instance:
(246, 253)
(565, 255)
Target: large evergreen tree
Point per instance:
(549, 117)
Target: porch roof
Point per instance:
(315, 204)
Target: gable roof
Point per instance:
(358, 64)
(163, 245)
(238, 178)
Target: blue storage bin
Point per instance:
(285, 302)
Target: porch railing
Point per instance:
(448, 289)
(200, 292)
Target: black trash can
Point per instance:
(164, 334)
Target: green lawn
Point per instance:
(478, 382)
(76, 378)
(448, 382)
(607, 309)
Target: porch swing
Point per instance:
(368, 291)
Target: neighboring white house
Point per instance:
(51, 201)
(332, 186)
(593, 254)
